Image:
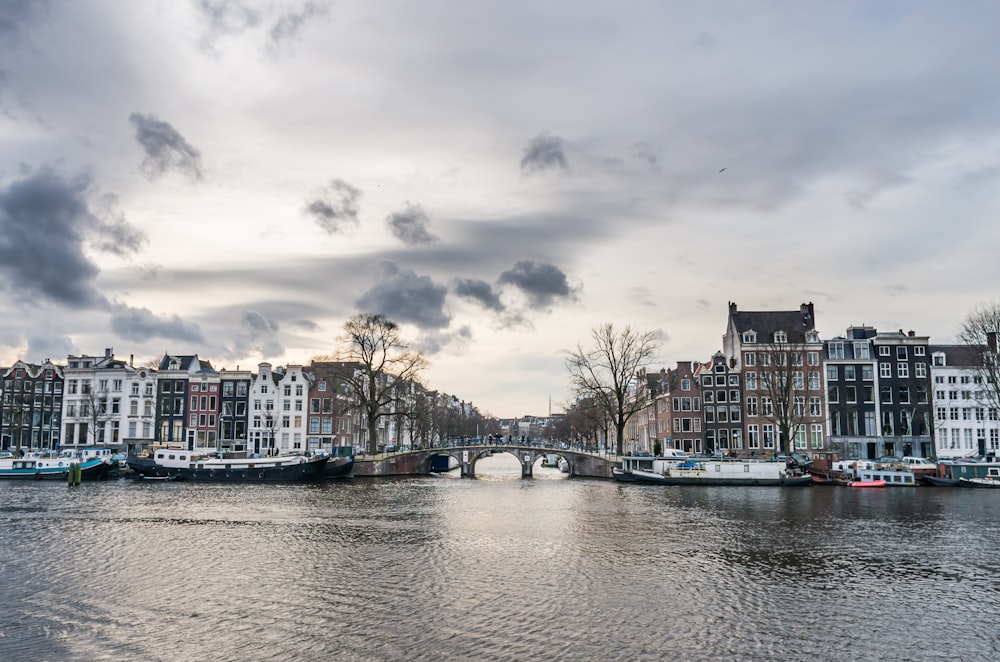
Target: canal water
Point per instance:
(496, 568)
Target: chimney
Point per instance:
(991, 341)
(732, 307)
(911, 333)
(108, 353)
(131, 358)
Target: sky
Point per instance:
(236, 179)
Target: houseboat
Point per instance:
(705, 471)
(51, 468)
(213, 467)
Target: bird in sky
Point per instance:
(722, 170)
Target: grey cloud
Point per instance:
(166, 149)
(293, 19)
(256, 335)
(478, 290)
(16, 15)
(436, 342)
(258, 323)
(116, 235)
(403, 296)
(227, 17)
(54, 347)
(45, 223)
(410, 226)
(335, 207)
(541, 283)
(544, 152)
(141, 324)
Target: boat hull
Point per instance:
(339, 467)
(260, 471)
(988, 483)
(648, 478)
(51, 469)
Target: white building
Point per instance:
(965, 424)
(107, 402)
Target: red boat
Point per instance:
(867, 483)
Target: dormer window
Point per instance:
(780, 337)
(812, 336)
(173, 365)
(749, 336)
(938, 359)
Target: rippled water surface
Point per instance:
(496, 568)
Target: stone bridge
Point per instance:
(418, 463)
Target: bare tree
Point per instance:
(980, 331)
(95, 411)
(782, 388)
(376, 358)
(607, 371)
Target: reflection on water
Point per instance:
(495, 568)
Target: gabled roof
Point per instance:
(960, 356)
(795, 323)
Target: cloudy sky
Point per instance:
(236, 178)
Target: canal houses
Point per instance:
(108, 402)
(780, 356)
(721, 390)
(904, 386)
(173, 379)
(264, 421)
(965, 423)
(234, 406)
(683, 401)
(32, 406)
(851, 392)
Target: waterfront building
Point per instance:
(234, 405)
(779, 354)
(292, 387)
(682, 398)
(332, 420)
(173, 380)
(721, 390)
(965, 422)
(31, 406)
(108, 402)
(851, 394)
(264, 421)
(904, 385)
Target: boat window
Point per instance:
(746, 468)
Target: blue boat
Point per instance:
(51, 468)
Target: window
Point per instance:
(884, 350)
(867, 373)
(901, 352)
(885, 370)
(780, 337)
(832, 394)
(813, 380)
(836, 350)
(920, 370)
(831, 373)
(734, 380)
(812, 358)
(749, 337)
(904, 395)
(920, 351)
(751, 380)
(817, 436)
(751, 406)
(768, 436)
(749, 359)
(766, 407)
(798, 381)
(753, 436)
(903, 369)
(685, 384)
(861, 350)
(815, 405)
(850, 373)
(851, 393)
